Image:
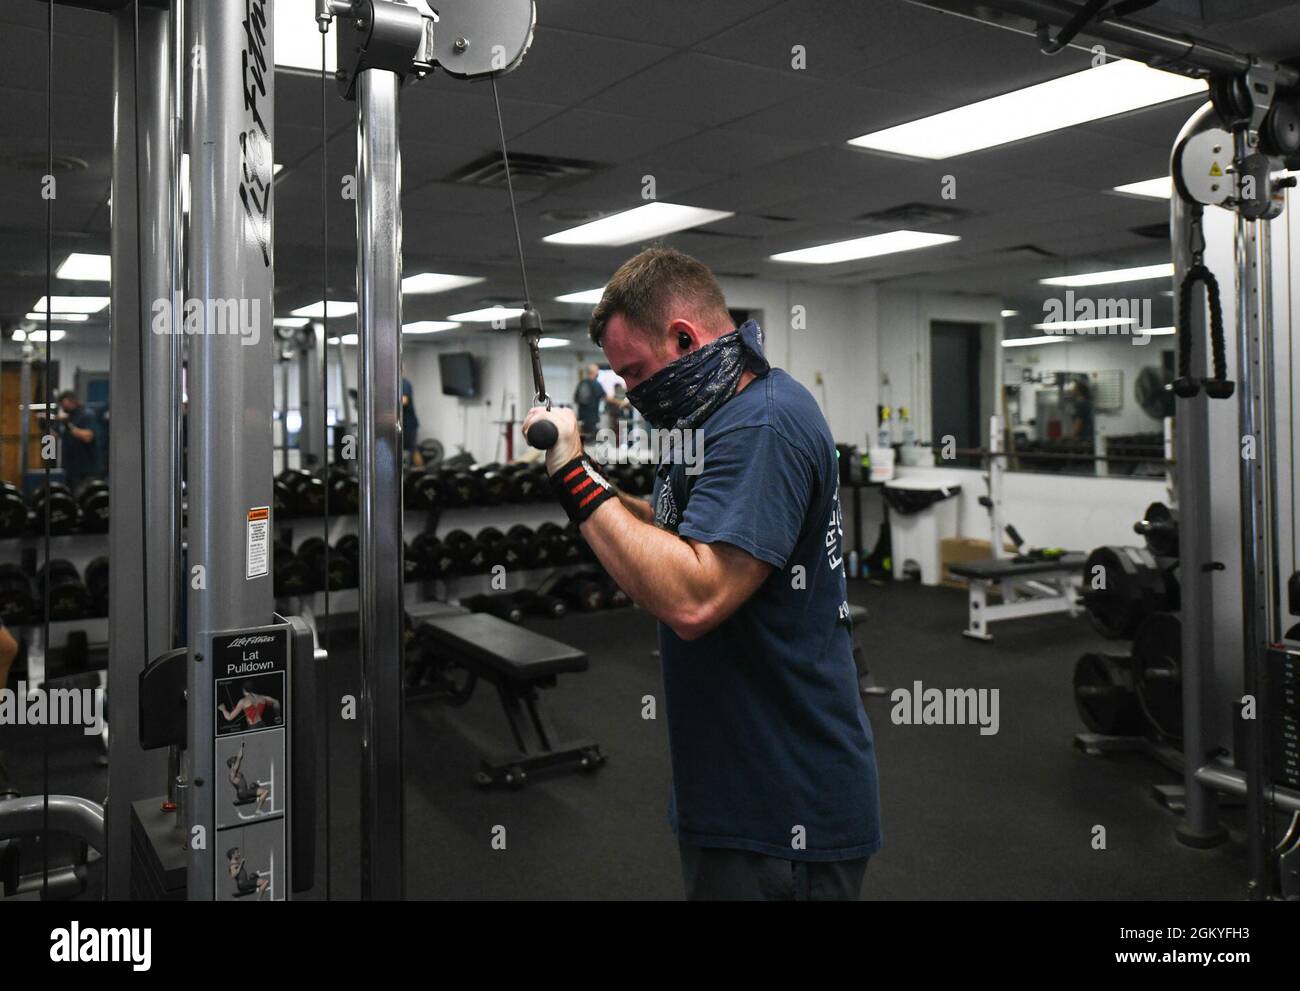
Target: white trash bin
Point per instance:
(914, 537)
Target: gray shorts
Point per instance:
(721, 874)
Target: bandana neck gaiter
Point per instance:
(681, 396)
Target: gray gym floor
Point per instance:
(965, 816)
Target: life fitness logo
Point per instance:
(249, 641)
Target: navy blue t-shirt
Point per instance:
(765, 726)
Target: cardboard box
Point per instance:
(958, 550)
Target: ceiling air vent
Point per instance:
(532, 172)
(36, 162)
(911, 215)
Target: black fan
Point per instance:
(1152, 392)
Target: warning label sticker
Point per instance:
(259, 542)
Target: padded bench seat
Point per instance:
(512, 652)
(997, 569)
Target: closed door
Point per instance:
(955, 386)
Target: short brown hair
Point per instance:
(646, 285)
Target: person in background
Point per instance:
(1082, 420)
(79, 455)
(587, 397)
(617, 408)
(410, 425)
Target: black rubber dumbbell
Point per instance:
(17, 602)
(13, 511)
(420, 490)
(96, 581)
(581, 593)
(92, 499)
(460, 489)
(64, 514)
(427, 549)
(345, 491)
(502, 606)
(306, 492)
(534, 603)
(413, 569)
(68, 598)
(458, 550)
(493, 484)
(291, 575)
(342, 570)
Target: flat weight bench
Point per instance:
(518, 663)
(1026, 588)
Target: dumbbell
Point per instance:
(291, 574)
(306, 492)
(420, 490)
(413, 569)
(581, 593)
(487, 551)
(427, 549)
(342, 569)
(92, 499)
(282, 501)
(68, 597)
(493, 485)
(13, 511)
(459, 488)
(64, 514)
(502, 606)
(458, 551)
(345, 491)
(17, 603)
(615, 597)
(536, 604)
(525, 549)
(96, 581)
(560, 545)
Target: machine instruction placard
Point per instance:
(259, 542)
(250, 670)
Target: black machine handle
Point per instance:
(541, 435)
(1187, 385)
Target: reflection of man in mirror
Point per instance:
(246, 881)
(78, 425)
(1079, 395)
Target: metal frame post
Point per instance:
(229, 128)
(1200, 826)
(379, 329)
(138, 407)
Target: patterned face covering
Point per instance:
(686, 393)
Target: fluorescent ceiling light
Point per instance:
(297, 37)
(348, 339)
(1157, 189)
(1085, 324)
(275, 168)
(553, 342)
(60, 317)
(1010, 313)
(864, 247)
(428, 326)
(337, 308)
(487, 314)
(71, 304)
(1110, 89)
(1161, 331)
(1024, 342)
(86, 268)
(38, 336)
(640, 224)
(431, 282)
(294, 322)
(1165, 270)
(589, 296)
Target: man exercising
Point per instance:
(740, 559)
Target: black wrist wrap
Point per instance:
(581, 488)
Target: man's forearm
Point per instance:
(659, 570)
